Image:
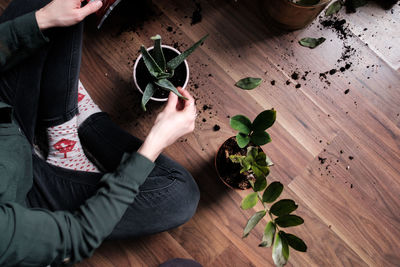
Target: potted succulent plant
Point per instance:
(242, 159)
(160, 69)
(293, 14)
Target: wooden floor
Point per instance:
(350, 203)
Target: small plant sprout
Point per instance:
(161, 70)
(255, 165)
(253, 132)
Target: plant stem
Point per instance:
(266, 209)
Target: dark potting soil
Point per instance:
(229, 171)
(144, 77)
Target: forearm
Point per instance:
(41, 237)
(19, 38)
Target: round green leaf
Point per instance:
(260, 138)
(283, 207)
(260, 184)
(289, 220)
(264, 120)
(268, 236)
(295, 242)
(242, 140)
(311, 42)
(256, 218)
(272, 192)
(261, 159)
(249, 201)
(334, 8)
(260, 171)
(241, 123)
(248, 83)
(280, 250)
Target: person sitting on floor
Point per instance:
(57, 209)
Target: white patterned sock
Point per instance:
(86, 105)
(65, 149)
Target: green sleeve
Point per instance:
(19, 38)
(37, 237)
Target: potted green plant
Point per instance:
(243, 158)
(160, 69)
(293, 14)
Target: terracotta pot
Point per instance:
(290, 16)
(137, 63)
(217, 168)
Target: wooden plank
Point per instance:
(354, 200)
(373, 24)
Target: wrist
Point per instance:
(42, 20)
(150, 148)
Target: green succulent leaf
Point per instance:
(147, 94)
(307, 2)
(150, 63)
(260, 184)
(268, 236)
(272, 192)
(295, 242)
(283, 207)
(242, 140)
(175, 62)
(164, 75)
(248, 83)
(311, 42)
(260, 138)
(289, 220)
(280, 250)
(264, 120)
(167, 85)
(249, 201)
(253, 221)
(158, 52)
(241, 123)
(334, 8)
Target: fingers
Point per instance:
(172, 101)
(185, 93)
(90, 8)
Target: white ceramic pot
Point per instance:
(137, 63)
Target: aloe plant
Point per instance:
(162, 71)
(256, 167)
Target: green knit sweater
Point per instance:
(38, 237)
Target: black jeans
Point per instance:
(43, 91)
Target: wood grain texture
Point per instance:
(350, 203)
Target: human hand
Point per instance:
(63, 13)
(176, 120)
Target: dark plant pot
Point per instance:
(290, 16)
(142, 77)
(227, 171)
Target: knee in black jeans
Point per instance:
(189, 194)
